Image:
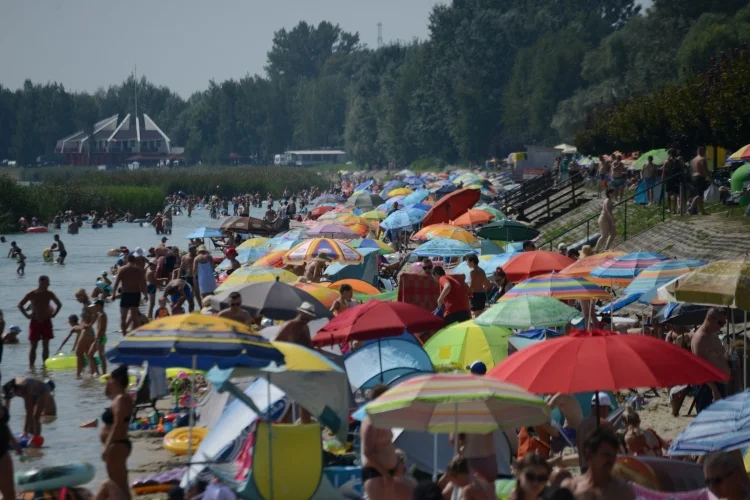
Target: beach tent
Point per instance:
(399, 357)
(367, 271)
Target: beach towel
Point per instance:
(157, 382)
(642, 493)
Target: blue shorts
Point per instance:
(618, 182)
(175, 297)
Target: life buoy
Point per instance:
(47, 255)
(176, 440)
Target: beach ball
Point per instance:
(36, 441)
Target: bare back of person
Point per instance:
(240, 316)
(314, 271)
(377, 448)
(699, 165)
(478, 280)
(583, 488)
(186, 265)
(295, 331)
(709, 347)
(161, 250)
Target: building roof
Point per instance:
(316, 152)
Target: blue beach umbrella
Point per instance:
(391, 185)
(421, 206)
(416, 197)
(723, 426)
(627, 266)
(205, 232)
(488, 266)
(364, 185)
(444, 247)
(661, 273)
(402, 219)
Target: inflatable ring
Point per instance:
(176, 440)
(154, 488)
(54, 478)
(69, 361)
(114, 252)
(632, 469)
(47, 255)
(37, 229)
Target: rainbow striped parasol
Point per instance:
(628, 266)
(558, 286)
(741, 154)
(582, 268)
(661, 273)
(271, 259)
(441, 403)
(335, 250)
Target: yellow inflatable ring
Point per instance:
(176, 440)
(47, 255)
(171, 373)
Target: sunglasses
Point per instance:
(716, 481)
(233, 304)
(720, 322)
(536, 478)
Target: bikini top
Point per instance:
(108, 417)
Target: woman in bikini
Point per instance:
(114, 436)
(38, 399)
(7, 441)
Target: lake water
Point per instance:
(77, 400)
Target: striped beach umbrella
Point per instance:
(251, 274)
(741, 154)
(528, 311)
(196, 340)
(628, 266)
(251, 243)
(271, 259)
(381, 246)
(335, 250)
(661, 273)
(444, 231)
(582, 268)
(443, 247)
(558, 286)
(441, 403)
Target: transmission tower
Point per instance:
(380, 35)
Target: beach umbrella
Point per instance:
(365, 201)
(489, 247)
(403, 219)
(414, 180)
(381, 246)
(660, 274)
(473, 218)
(497, 214)
(420, 206)
(660, 156)
(741, 154)
(327, 230)
(451, 206)
(508, 230)
(236, 224)
(399, 356)
(271, 259)
(443, 247)
(567, 364)
(364, 185)
(320, 292)
(250, 274)
(336, 250)
(460, 344)
(205, 232)
(271, 299)
(391, 185)
(278, 244)
(529, 264)
(582, 268)
(628, 266)
(406, 173)
(488, 266)
(528, 311)
(251, 243)
(320, 211)
(444, 189)
(374, 320)
(358, 286)
(246, 256)
(444, 231)
(374, 215)
(441, 403)
(403, 191)
(724, 283)
(558, 286)
(684, 314)
(620, 303)
(360, 230)
(416, 197)
(327, 198)
(349, 219)
(723, 426)
(196, 340)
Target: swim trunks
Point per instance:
(700, 184)
(103, 340)
(151, 289)
(618, 181)
(40, 330)
(478, 301)
(130, 299)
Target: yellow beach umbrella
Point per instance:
(349, 219)
(251, 274)
(374, 215)
(461, 344)
(444, 231)
(251, 243)
(334, 249)
(399, 192)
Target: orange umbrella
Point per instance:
(271, 259)
(444, 231)
(583, 267)
(451, 206)
(349, 219)
(358, 286)
(529, 264)
(362, 230)
(473, 217)
(322, 293)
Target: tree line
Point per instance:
(492, 77)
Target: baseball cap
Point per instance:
(15, 329)
(604, 399)
(477, 368)
(164, 238)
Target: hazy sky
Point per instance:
(87, 44)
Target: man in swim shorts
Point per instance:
(40, 319)
(478, 284)
(60, 249)
(133, 281)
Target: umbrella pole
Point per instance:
(596, 399)
(191, 418)
(455, 493)
(270, 437)
(744, 355)
(434, 457)
(380, 359)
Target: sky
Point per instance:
(88, 44)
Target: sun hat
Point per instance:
(477, 368)
(138, 252)
(604, 400)
(307, 308)
(15, 329)
(202, 248)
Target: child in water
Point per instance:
(21, 259)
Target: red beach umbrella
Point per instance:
(451, 206)
(599, 360)
(318, 211)
(376, 319)
(529, 264)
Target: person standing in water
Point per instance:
(21, 259)
(59, 247)
(203, 271)
(133, 281)
(186, 272)
(40, 319)
(38, 400)
(100, 338)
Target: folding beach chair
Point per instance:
(143, 399)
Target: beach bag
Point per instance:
(712, 195)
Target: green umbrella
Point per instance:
(497, 214)
(660, 156)
(460, 344)
(507, 230)
(528, 311)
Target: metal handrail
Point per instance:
(624, 202)
(528, 189)
(574, 180)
